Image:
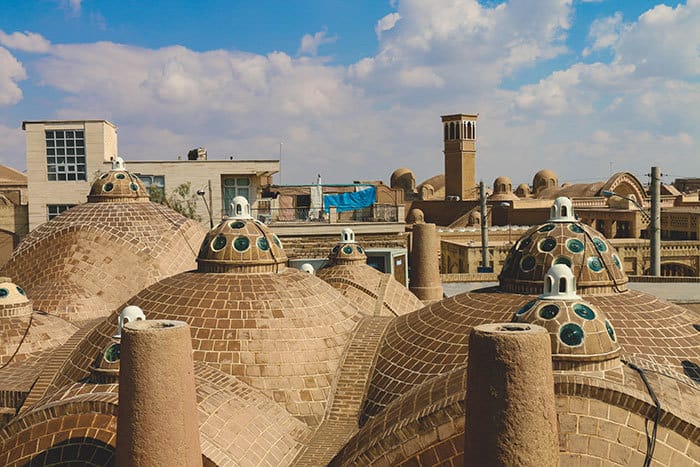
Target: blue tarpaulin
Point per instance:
(351, 200)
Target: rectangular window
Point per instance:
(233, 187)
(155, 186)
(65, 155)
(54, 210)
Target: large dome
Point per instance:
(86, 261)
(434, 340)
(280, 330)
(563, 240)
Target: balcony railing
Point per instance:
(374, 213)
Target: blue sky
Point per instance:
(355, 89)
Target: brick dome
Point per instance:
(241, 244)
(280, 330)
(24, 333)
(368, 289)
(563, 240)
(118, 186)
(86, 261)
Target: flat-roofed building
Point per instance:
(65, 156)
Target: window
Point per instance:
(155, 186)
(56, 209)
(238, 186)
(65, 155)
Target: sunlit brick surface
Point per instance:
(88, 260)
(370, 290)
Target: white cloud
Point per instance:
(664, 42)
(362, 121)
(604, 33)
(310, 44)
(11, 71)
(24, 41)
(387, 23)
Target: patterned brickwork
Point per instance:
(239, 425)
(652, 328)
(65, 365)
(24, 337)
(423, 427)
(592, 259)
(601, 422)
(91, 258)
(241, 245)
(341, 420)
(281, 333)
(593, 432)
(433, 340)
(370, 290)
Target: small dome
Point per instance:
(523, 191)
(562, 210)
(25, 333)
(403, 178)
(415, 216)
(241, 244)
(347, 251)
(559, 284)
(594, 262)
(13, 299)
(544, 179)
(579, 331)
(367, 289)
(118, 186)
(502, 190)
(502, 184)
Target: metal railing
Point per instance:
(374, 213)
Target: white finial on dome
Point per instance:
(306, 267)
(118, 163)
(559, 284)
(562, 210)
(240, 208)
(127, 315)
(347, 236)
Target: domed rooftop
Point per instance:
(563, 240)
(434, 340)
(368, 289)
(24, 333)
(579, 331)
(502, 190)
(280, 330)
(118, 186)
(543, 180)
(241, 244)
(89, 259)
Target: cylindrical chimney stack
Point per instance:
(157, 420)
(425, 269)
(511, 414)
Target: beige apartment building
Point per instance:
(64, 158)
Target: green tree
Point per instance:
(181, 199)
